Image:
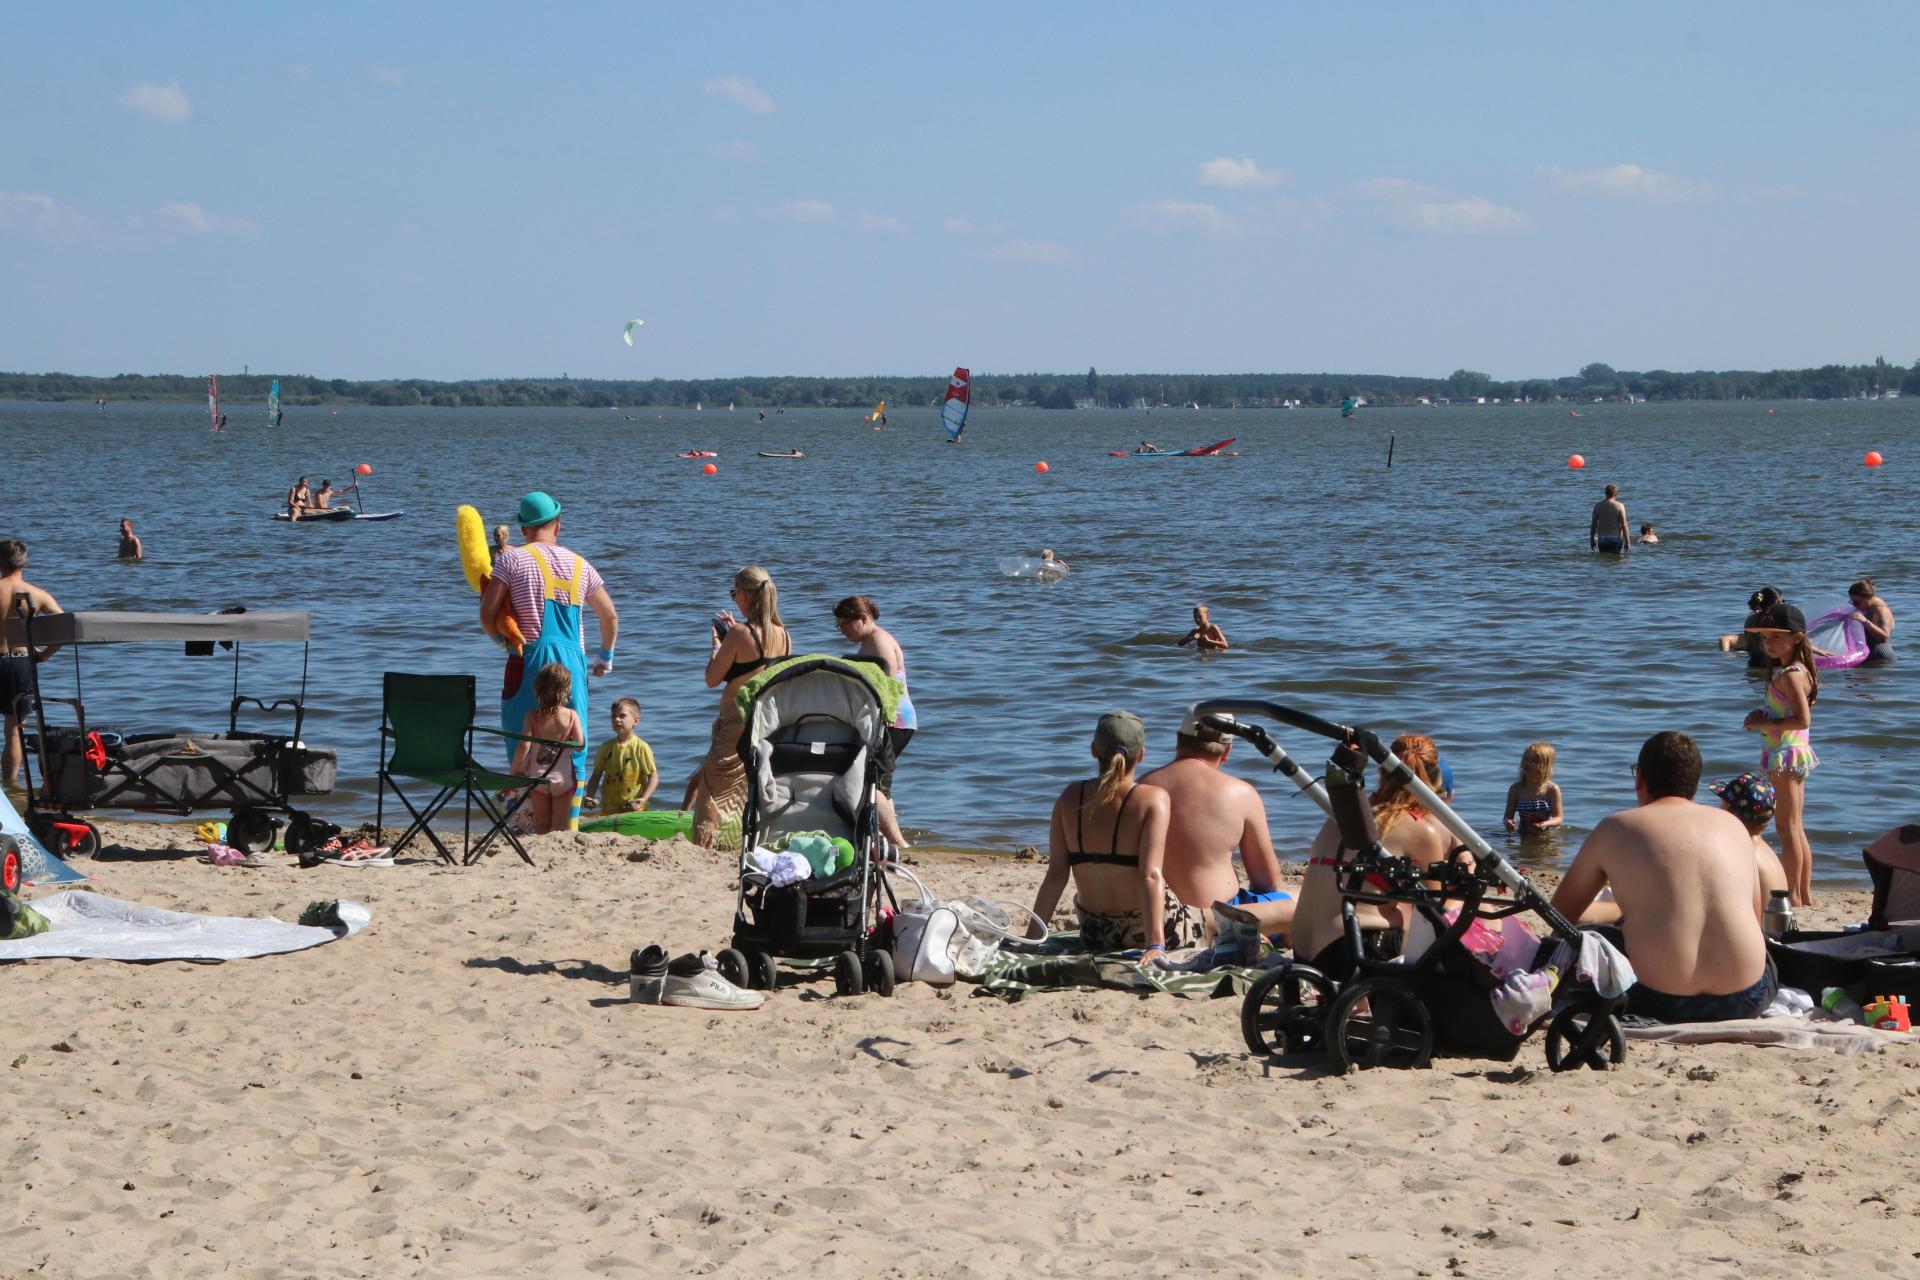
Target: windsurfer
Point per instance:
(1147, 446)
(1607, 530)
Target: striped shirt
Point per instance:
(526, 591)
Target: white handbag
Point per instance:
(937, 942)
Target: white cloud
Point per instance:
(33, 214)
(180, 216)
(880, 222)
(741, 90)
(1239, 174)
(1629, 182)
(299, 71)
(801, 211)
(734, 150)
(166, 103)
(961, 226)
(1421, 208)
(1030, 251)
(1179, 217)
(1774, 194)
(724, 213)
(391, 77)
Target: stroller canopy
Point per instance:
(814, 727)
(857, 694)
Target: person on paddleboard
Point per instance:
(299, 499)
(548, 588)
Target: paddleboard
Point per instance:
(340, 517)
(765, 454)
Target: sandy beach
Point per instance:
(464, 1090)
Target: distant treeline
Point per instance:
(1042, 390)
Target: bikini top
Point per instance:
(1111, 856)
(740, 669)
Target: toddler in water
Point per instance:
(626, 764)
(551, 718)
(1533, 801)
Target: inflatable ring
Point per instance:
(476, 561)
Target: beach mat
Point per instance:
(1060, 965)
(92, 926)
(37, 866)
(1781, 1033)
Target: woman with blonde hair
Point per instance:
(718, 790)
(1406, 829)
(1109, 837)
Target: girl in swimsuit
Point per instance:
(859, 620)
(1533, 801)
(1108, 836)
(718, 789)
(1785, 724)
(553, 719)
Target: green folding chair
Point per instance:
(429, 722)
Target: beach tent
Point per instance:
(37, 866)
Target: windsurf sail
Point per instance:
(273, 404)
(953, 410)
(1348, 405)
(1838, 639)
(879, 414)
(213, 400)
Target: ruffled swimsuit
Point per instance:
(1787, 750)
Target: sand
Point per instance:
(464, 1090)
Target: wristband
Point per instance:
(1157, 946)
(606, 656)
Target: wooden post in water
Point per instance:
(1390, 438)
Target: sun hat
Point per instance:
(1191, 727)
(1749, 795)
(1778, 616)
(538, 508)
(1119, 731)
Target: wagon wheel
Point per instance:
(10, 867)
(1395, 1030)
(1582, 1035)
(87, 844)
(250, 831)
(1285, 1011)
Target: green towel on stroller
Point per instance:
(1060, 965)
(889, 690)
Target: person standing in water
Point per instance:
(1607, 530)
(17, 679)
(859, 620)
(130, 548)
(1875, 617)
(1786, 725)
(1205, 636)
(548, 587)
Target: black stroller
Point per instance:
(1389, 1012)
(812, 744)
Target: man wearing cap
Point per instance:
(546, 585)
(1749, 797)
(1607, 531)
(1689, 897)
(1213, 813)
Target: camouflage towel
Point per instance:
(1061, 966)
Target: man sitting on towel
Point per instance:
(1688, 890)
(1212, 814)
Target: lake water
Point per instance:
(1452, 594)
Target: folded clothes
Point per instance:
(781, 868)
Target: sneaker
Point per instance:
(648, 974)
(694, 982)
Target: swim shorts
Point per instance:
(1645, 1002)
(16, 682)
(1610, 546)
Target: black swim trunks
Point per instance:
(1645, 1002)
(16, 682)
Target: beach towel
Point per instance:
(1785, 1033)
(92, 926)
(1060, 965)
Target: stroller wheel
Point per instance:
(1395, 1030)
(846, 974)
(1285, 1011)
(880, 973)
(1585, 1035)
(760, 971)
(732, 964)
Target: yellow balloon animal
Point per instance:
(470, 531)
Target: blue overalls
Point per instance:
(558, 641)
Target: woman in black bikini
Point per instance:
(1108, 836)
(718, 789)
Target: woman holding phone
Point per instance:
(719, 787)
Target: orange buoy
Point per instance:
(1041, 467)
(710, 469)
(1873, 458)
(1576, 462)
(365, 469)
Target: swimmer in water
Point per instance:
(1647, 536)
(130, 548)
(1050, 567)
(1205, 636)
(502, 538)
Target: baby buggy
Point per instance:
(812, 742)
(1392, 1011)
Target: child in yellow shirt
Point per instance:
(625, 762)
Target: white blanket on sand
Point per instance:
(92, 926)
(1785, 1033)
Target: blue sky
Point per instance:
(445, 191)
